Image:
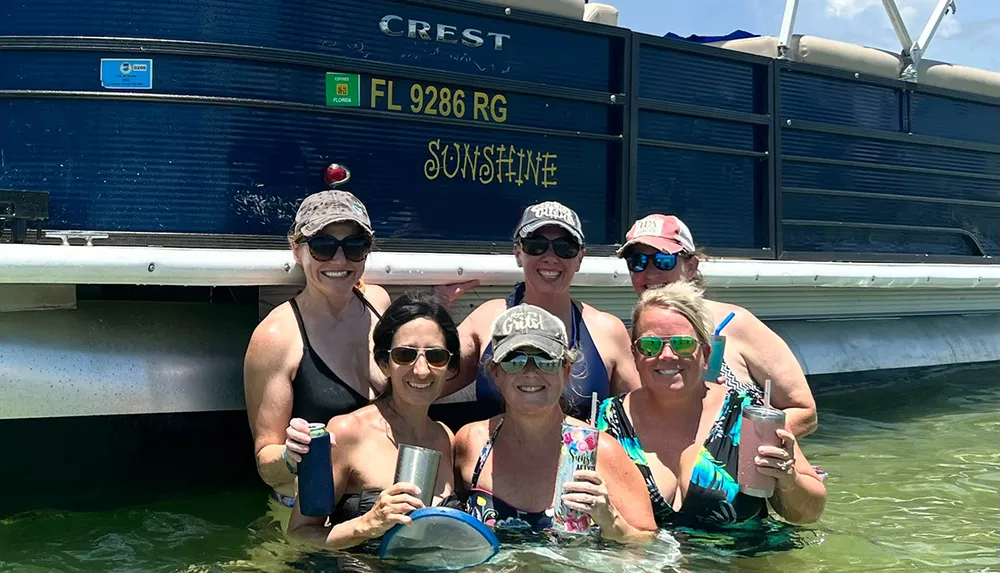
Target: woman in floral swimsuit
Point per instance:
(507, 465)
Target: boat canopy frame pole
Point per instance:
(787, 26)
(911, 51)
(899, 26)
(918, 48)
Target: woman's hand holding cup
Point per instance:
(779, 462)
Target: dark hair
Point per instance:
(410, 306)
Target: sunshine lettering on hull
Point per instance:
(488, 164)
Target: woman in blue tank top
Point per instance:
(549, 246)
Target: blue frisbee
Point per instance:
(440, 538)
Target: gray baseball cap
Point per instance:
(320, 209)
(528, 326)
(550, 213)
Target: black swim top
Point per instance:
(318, 394)
(354, 505)
(495, 512)
(588, 375)
(713, 496)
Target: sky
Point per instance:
(970, 36)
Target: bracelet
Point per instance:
(284, 458)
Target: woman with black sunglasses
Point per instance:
(416, 346)
(684, 433)
(549, 246)
(659, 250)
(310, 358)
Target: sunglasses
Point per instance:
(651, 346)
(324, 247)
(516, 361)
(638, 262)
(406, 355)
(564, 247)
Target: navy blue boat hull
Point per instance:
(450, 133)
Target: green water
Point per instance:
(914, 478)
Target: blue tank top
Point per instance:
(588, 375)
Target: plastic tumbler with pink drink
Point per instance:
(579, 452)
(759, 428)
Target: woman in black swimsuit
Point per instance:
(684, 434)
(507, 465)
(416, 346)
(310, 358)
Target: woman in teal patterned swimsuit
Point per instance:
(684, 434)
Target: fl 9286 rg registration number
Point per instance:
(435, 100)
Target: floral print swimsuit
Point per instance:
(495, 512)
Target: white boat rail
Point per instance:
(56, 264)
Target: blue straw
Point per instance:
(724, 323)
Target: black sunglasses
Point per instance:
(324, 247)
(535, 245)
(639, 262)
(406, 355)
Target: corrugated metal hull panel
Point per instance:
(137, 166)
(237, 126)
(702, 137)
(839, 102)
(956, 119)
(870, 169)
(694, 185)
(336, 28)
(863, 179)
(695, 79)
(877, 152)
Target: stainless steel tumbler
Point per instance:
(759, 428)
(418, 466)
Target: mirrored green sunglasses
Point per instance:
(650, 346)
(516, 361)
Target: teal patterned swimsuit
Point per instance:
(713, 497)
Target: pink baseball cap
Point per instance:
(664, 233)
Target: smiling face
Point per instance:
(337, 275)
(546, 272)
(668, 370)
(417, 382)
(531, 390)
(685, 269)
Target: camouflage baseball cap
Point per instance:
(320, 209)
(528, 326)
(550, 213)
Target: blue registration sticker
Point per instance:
(127, 74)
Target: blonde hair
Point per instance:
(683, 297)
